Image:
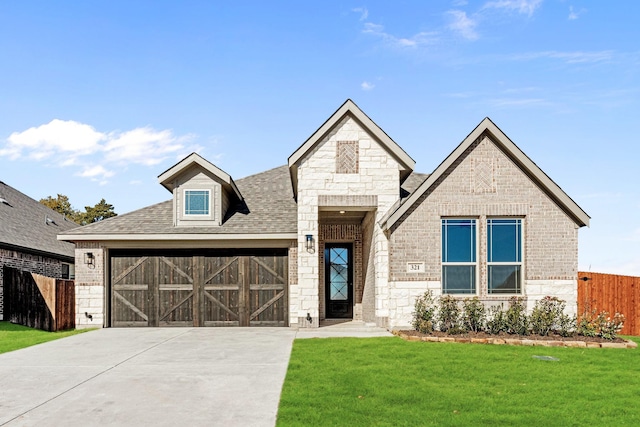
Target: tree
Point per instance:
(102, 210)
(98, 212)
(62, 205)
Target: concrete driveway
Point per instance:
(139, 377)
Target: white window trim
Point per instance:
(521, 263)
(186, 216)
(476, 264)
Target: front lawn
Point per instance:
(14, 337)
(391, 382)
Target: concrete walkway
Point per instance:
(158, 376)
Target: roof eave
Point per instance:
(565, 202)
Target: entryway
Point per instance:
(338, 259)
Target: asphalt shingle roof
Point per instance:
(268, 208)
(24, 225)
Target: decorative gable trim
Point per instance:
(168, 177)
(351, 109)
(347, 156)
(489, 129)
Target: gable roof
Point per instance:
(515, 154)
(29, 226)
(350, 108)
(267, 212)
(167, 177)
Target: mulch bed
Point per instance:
(530, 340)
(550, 337)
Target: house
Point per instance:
(28, 238)
(346, 230)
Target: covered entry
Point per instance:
(198, 288)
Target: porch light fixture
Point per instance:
(309, 242)
(89, 258)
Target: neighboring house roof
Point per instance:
(168, 177)
(515, 154)
(29, 226)
(267, 212)
(350, 108)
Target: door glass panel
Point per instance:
(339, 274)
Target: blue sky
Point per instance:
(98, 98)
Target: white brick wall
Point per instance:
(378, 174)
(89, 283)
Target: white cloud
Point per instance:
(569, 57)
(364, 13)
(517, 102)
(575, 14)
(58, 136)
(462, 24)
(96, 173)
(367, 86)
(418, 39)
(67, 143)
(527, 7)
(142, 146)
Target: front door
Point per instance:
(338, 276)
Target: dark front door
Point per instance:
(338, 277)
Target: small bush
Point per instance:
(594, 324)
(449, 315)
(473, 314)
(497, 320)
(517, 320)
(566, 325)
(546, 314)
(424, 313)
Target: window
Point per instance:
(459, 256)
(504, 256)
(196, 202)
(65, 271)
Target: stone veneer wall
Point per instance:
(39, 264)
(484, 183)
(90, 286)
(369, 269)
(377, 174)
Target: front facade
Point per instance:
(346, 230)
(28, 238)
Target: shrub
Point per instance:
(424, 313)
(566, 325)
(473, 314)
(449, 315)
(609, 327)
(497, 320)
(546, 315)
(594, 324)
(516, 317)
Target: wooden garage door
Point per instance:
(203, 289)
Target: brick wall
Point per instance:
(43, 265)
(484, 183)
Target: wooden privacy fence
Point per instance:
(38, 301)
(611, 293)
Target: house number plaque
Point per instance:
(415, 267)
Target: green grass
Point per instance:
(392, 382)
(14, 337)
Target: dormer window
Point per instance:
(197, 202)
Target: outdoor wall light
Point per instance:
(309, 319)
(89, 258)
(309, 242)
